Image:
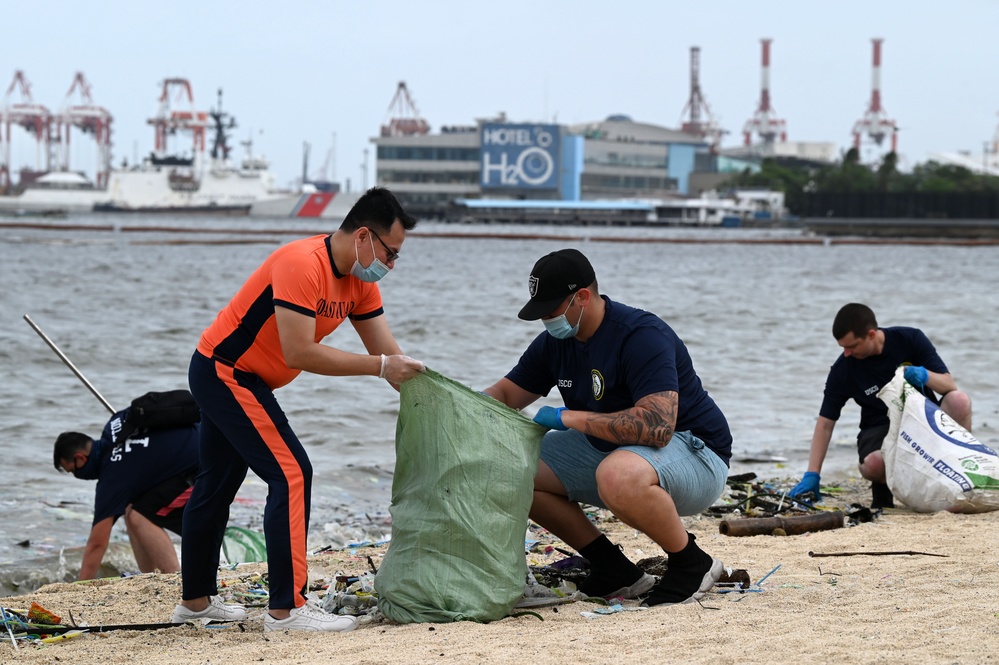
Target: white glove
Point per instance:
(397, 369)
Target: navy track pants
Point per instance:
(242, 426)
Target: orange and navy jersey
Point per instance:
(302, 277)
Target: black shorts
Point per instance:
(870, 440)
(163, 505)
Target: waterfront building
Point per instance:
(613, 159)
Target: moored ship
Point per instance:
(191, 181)
(194, 181)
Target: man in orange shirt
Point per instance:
(268, 333)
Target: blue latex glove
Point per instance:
(809, 483)
(550, 417)
(917, 376)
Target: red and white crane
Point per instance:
(89, 118)
(765, 122)
(170, 120)
(34, 118)
(875, 123)
(699, 120)
(406, 120)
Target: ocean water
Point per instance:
(126, 299)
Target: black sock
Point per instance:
(881, 496)
(690, 555)
(611, 572)
(602, 553)
(689, 574)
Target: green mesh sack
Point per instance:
(241, 545)
(462, 490)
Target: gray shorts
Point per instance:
(690, 472)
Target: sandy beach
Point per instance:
(860, 608)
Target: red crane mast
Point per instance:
(89, 118)
(34, 118)
(875, 123)
(765, 122)
(170, 120)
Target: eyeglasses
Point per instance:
(390, 256)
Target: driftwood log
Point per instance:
(782, 526)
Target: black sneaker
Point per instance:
(881, 496)
(615, 583)
(679, 586)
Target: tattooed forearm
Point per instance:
(649, 423)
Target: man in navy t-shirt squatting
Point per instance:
(147, 478)
(638, 434)
(869, 360)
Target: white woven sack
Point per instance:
(931, 462)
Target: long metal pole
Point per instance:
(69, 364)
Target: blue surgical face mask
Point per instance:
(372, 273)
(559, 327)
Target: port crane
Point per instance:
(35, 118)
(699, 120)
(87, 117)
(405, 119)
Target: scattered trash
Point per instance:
(352, 595)
(612, 609)
(22, 627)
(736, 579)
(539, 595)
(757, 499)
(861, 515)
(39, 614)
(69, 634)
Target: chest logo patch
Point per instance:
(340, 309)
(597, 383)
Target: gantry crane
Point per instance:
(404, 119)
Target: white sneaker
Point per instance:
(216, 611)
(310, 617)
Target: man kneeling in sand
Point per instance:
(870, 356)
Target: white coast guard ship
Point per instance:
(191, 182)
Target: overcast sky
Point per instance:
(298, 70)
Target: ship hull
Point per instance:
(159, 189)
(153, 190)
(236, 211)
(149, 192)
(42, 201)
(327, 205)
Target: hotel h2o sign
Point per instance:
(522, 156)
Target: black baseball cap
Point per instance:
(554, 277)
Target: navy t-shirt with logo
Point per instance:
(133, 467)
(633, 353)
(860, 380)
